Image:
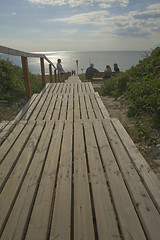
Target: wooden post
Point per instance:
(50, 72)
(43, 72)
(26, 77)
(55, 76)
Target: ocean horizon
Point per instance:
(124, 59)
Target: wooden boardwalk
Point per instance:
(70, 172)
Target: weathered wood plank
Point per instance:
(61, 222)
(83, 219)
(143, 204)
(95, 106)
(45, 106)
(107, 225)
(10, 160)
(40, 104)
(11, 139)
(10, 192)
(7, 130)
(63, 111)
(56, 112)
(3, 124)
(148, 177)
(101, 106)
(83, 110)
(39, 224)
(17, 223)
(51, 107)
(70, 108)
(77, 114)
(90, 109)
(127, 217)
(34, 103)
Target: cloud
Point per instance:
(133, 24)
(154, 6)
(95, 18)
(73, 3)
(104, 5)
(14, 13)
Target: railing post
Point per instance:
(43, 72)
(55, 76)
(50, 73)
(26, 77)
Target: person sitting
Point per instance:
(116, 69)
(108, 72)
(90, 71)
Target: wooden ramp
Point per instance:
(70, 172)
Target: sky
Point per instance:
(80, 25)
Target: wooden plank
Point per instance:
(16, 52)
(4, 149)
(76, 106)
(127, 217)
(34, 104)
(10, 160)
(143, 204)
(56, 88)
(90, 110)
(102, 106)
(95, 106)
(56, 112)
(61, 222)
(40, 103)
(10, 192)
(51, 107)
(83, 222)
(18, 220)
(40, 219)
(87, 87)
(7, 130)
(91, 87)
(70, 108)
(83, 88)
(60, 88)
(3, 124)
(150, 180)
(63, 111)
(26, 107)
(107, 225)
(44, 108)
(83, 110)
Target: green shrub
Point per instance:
(12, 82)
(141, 86)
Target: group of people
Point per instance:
(89, 72)
(107, 72)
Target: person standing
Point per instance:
(61, 71)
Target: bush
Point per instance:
(141, 86)
(12, 82)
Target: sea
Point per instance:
(79, 61)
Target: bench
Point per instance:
(99, 76)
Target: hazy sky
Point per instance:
(50, 25)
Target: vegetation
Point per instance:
(140, 86)
(12, 82)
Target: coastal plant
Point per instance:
(12, 82)
(140, 85)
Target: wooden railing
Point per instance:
(24, 58)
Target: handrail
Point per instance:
(24, 57)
